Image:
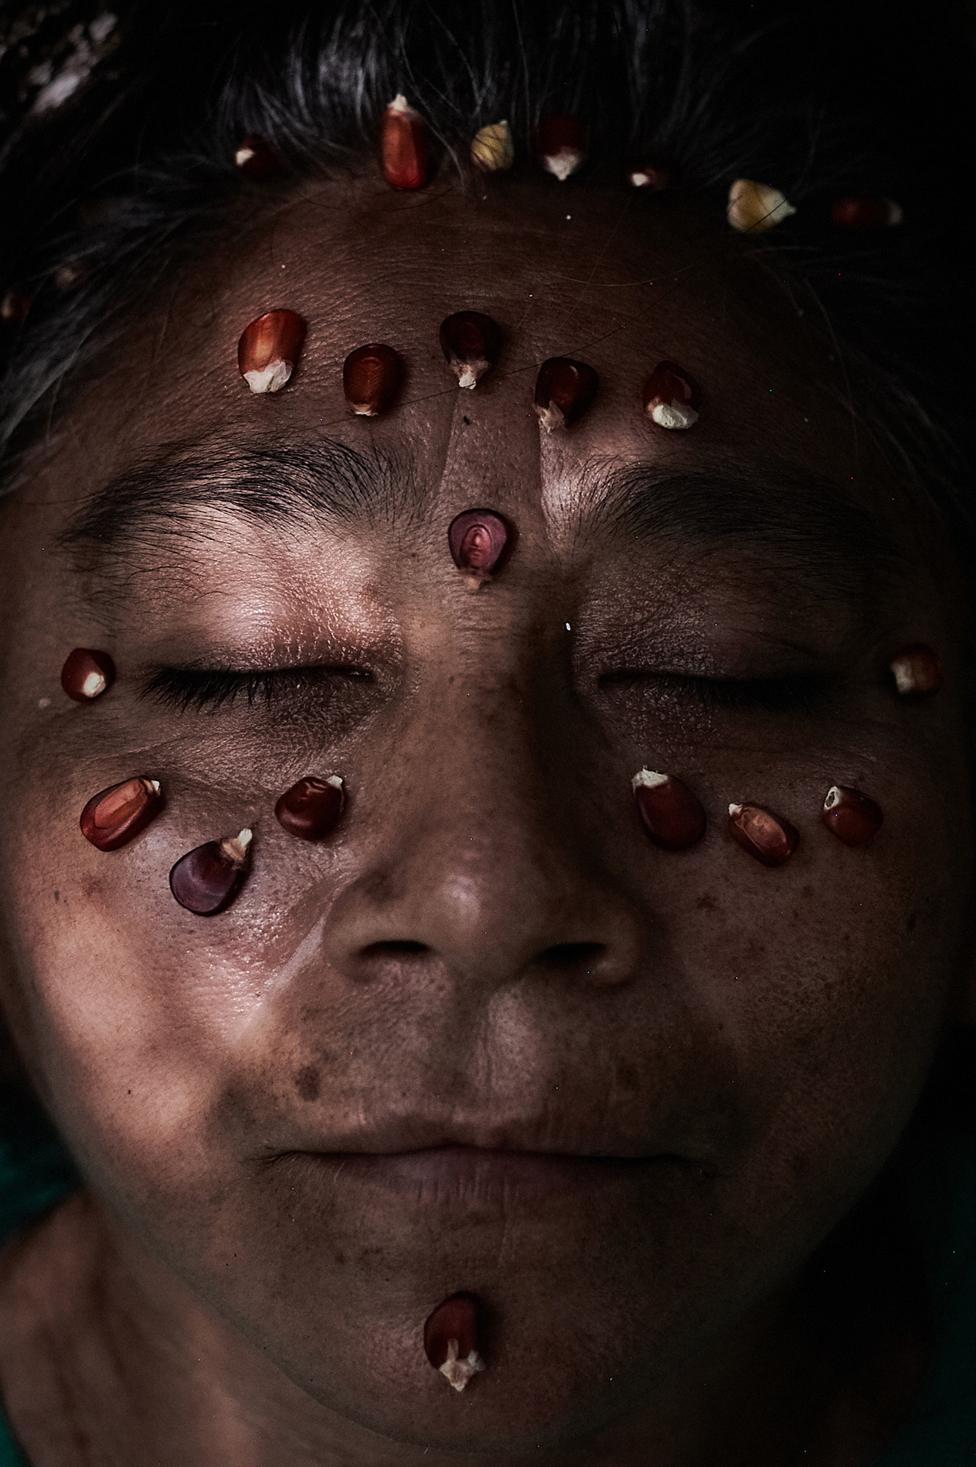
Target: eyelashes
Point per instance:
(768, 695)
(185, 689)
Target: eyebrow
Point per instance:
(778, 510)
(168, 494)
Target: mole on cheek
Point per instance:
(307, 1082)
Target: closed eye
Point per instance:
(775, 695)
(184, 688)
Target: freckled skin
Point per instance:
(307, 1082)
(770, 1023)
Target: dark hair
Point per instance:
(819, 99)
(135, 171)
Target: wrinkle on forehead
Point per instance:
(622, 283)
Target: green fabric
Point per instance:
(36, 1173)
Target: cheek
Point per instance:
(829, 976)
(127, 1004)
(798, 998)
(141, 1006)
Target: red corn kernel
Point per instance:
(564, 389)
(479, 540)
(87, 674)
(269, 348)
(256, 158)
(672, 815)
(471, 342)
(14, 306)
(917, 671)
(561, 144)
(113, 816)
(207, 879)
(853, 817)
(768, 837)
(650, 175)
(865, 212)
(403, 146)
(311, 808)
(371, 378)
(671, 397)
(451, 1339)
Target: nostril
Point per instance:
(394, 949)
(578, 956)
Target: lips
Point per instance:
(396, 1134)
(455, 1174)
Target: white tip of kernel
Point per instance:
(236, 846)
(648, 778)
(753, 207)
(270, 378)
(550, 417)
(243, 155)
(94, 684)
(157, 787)
(904, 674)
(335, 780)
(467, 377)
(563, 163)
(640, 180)
(459, 1372)
(673, 415)
(399, 104)
(734, 809)
(832, 797)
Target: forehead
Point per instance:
(605, 274)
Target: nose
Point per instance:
(488, 855)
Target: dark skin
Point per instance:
(490, 931)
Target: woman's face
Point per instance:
(489, 944)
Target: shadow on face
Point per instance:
(489, 948)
